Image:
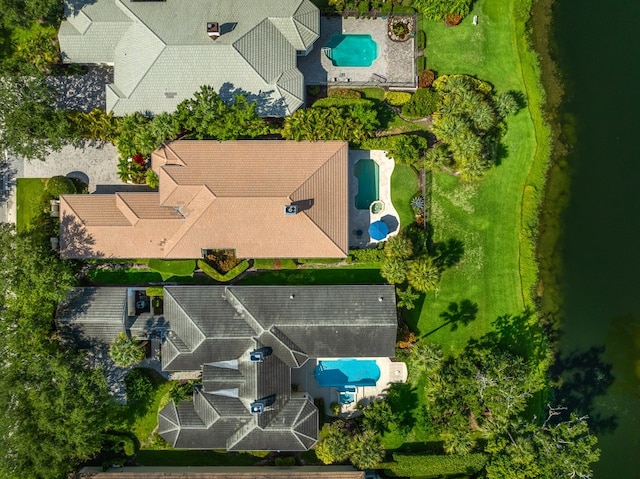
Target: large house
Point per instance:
(263, 199)
(163, 51)
(248, 342)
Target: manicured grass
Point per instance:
(30, 196)
(141, 417)
(485, 216)
(404, 186)
(131, 276)
(274, 263)
(360, 274)
(169, 268)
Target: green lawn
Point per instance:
(129, 276)
(484, 216)
(169, 268)
(141, 417)
(30, 197)
(404, 186)
(352, 274)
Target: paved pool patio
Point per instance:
(393, 67)
(391, 372)
(359, 220)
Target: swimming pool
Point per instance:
(351, 50)
(342, 372)
(368, 178)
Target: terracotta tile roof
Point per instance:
(222, 195)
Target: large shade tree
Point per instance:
(30, 124)
(54, 408)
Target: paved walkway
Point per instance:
(95, 163)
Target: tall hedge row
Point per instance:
(429, 466)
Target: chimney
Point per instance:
(213, 30)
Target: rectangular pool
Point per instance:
(367, 172)
(351, 50)
(347, 372)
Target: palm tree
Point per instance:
(406, 298)
(437, 157)
(126, 352)
(394, 270)
(483, 116)
(423, 274)
(367, 451)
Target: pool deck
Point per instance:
(393, 67)
(361, 219)
(390, 373)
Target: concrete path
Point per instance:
(95, 163)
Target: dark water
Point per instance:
(599, 53)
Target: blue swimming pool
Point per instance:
(347, 372)
(351, 50)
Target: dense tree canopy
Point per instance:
(22, 13)
(54, 407)
(208, 117)
(30, 125)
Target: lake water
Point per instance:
(599, 54)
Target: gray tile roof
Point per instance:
(92, 315)
(162, 54)
(216, 327)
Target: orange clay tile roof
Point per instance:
(216, 195)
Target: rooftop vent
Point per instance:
(258, 355)
(170, 94)
(291, 210)
(213, 30)
(257, 407)
(260, 405)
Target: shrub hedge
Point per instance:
(336, 101)
(423, 103)
(421, 64)
(437, 466)
(223, 278)
(421, 40)
(388, 142)
(153, 291)
(60, 185)
(367, 255)
(343, 93)
(397, 98)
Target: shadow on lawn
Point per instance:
(457, 314)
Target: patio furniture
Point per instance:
(378, 230)
(378, 78)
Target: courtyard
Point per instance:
(394, 64)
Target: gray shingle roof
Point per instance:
(161, 52)
(93, 314)
(295, 322)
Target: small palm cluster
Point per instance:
(408, 263)
(345, 441)
(125, 352)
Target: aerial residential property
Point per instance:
(312, 239)
(163, 51)
(264, 353)
(265, 199)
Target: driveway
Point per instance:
(95, 163)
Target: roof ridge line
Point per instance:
(179, 305)
(193, 223)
